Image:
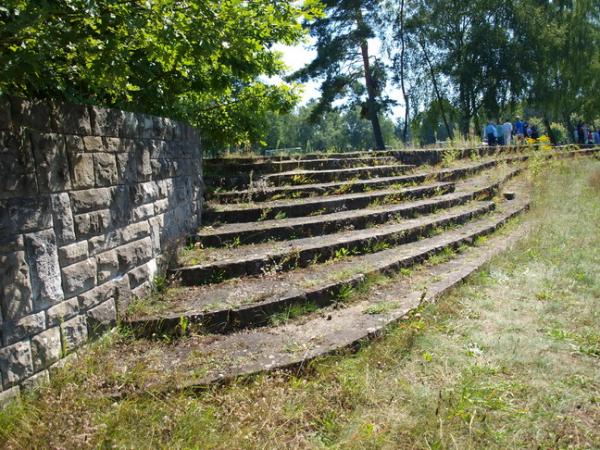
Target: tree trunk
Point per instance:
(404, 95)
(549, 130)
(371, 101)
(436, 90)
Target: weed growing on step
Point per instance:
(445, 255)
(264, 214)
(380, 308)
(292, 312)
(344, 293)
(342, 253)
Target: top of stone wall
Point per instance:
(86, 120)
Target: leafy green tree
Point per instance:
(196, 60)
(343, 61)
(333, 130)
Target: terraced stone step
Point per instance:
(312, 176)
(265, 193)
(256, 232)
(252, 302)
(354, 186)
(221, 264)
(262, 167)
(316, 205)
(294, 228)
(300, 157)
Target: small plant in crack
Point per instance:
(342, 253)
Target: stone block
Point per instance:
(121, 205)
(11, 243)
(143, 167)
(44, 269)
(73, 253)
(145, 192)
(15, 331)
(178, 131)
(142, 212)
(53, 172)
(91, 199)
(143, 274)
(101, 318)
(134, 254)
(96, 296)
(93, 223)
(31, 114)
(79, 277)
(105, 242)
(62, 218)
(156, 227)
(93, 144)
(135, 231)
(62, 312)
(74, 144)
(145, 126)
(46, 348)
(82, 170)
(74, 333)
(106, 170)
(126, 167)
(70, 119)
(15, 286)
(5, 116)
(112, 145)
(108, 266)
(9, 395)
(23, 215)
(15, 363)
(36, 381)
(159, 149)
(161, 206)
(16, 154)
(122, 295)
(17, 184)
(106, 122)
(142, 291)
(130, 125)
(65, 362)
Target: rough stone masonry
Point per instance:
(91, 199)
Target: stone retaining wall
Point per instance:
(90, 199)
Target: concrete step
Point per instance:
(264, 167)
(294, 228)
(300, 157)
(215, 265)
(252, 302)
(322, 176)
(352, 186)
(358, 217)
(236, 213)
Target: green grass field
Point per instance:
(510, 359)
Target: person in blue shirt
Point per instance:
(490, 132)
(520, 129)
(500, 134)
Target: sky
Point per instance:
(296, 57)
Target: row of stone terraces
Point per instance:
(302, 257)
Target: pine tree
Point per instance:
(343, 62)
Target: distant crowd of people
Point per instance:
(508, 133)
(587, 135)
